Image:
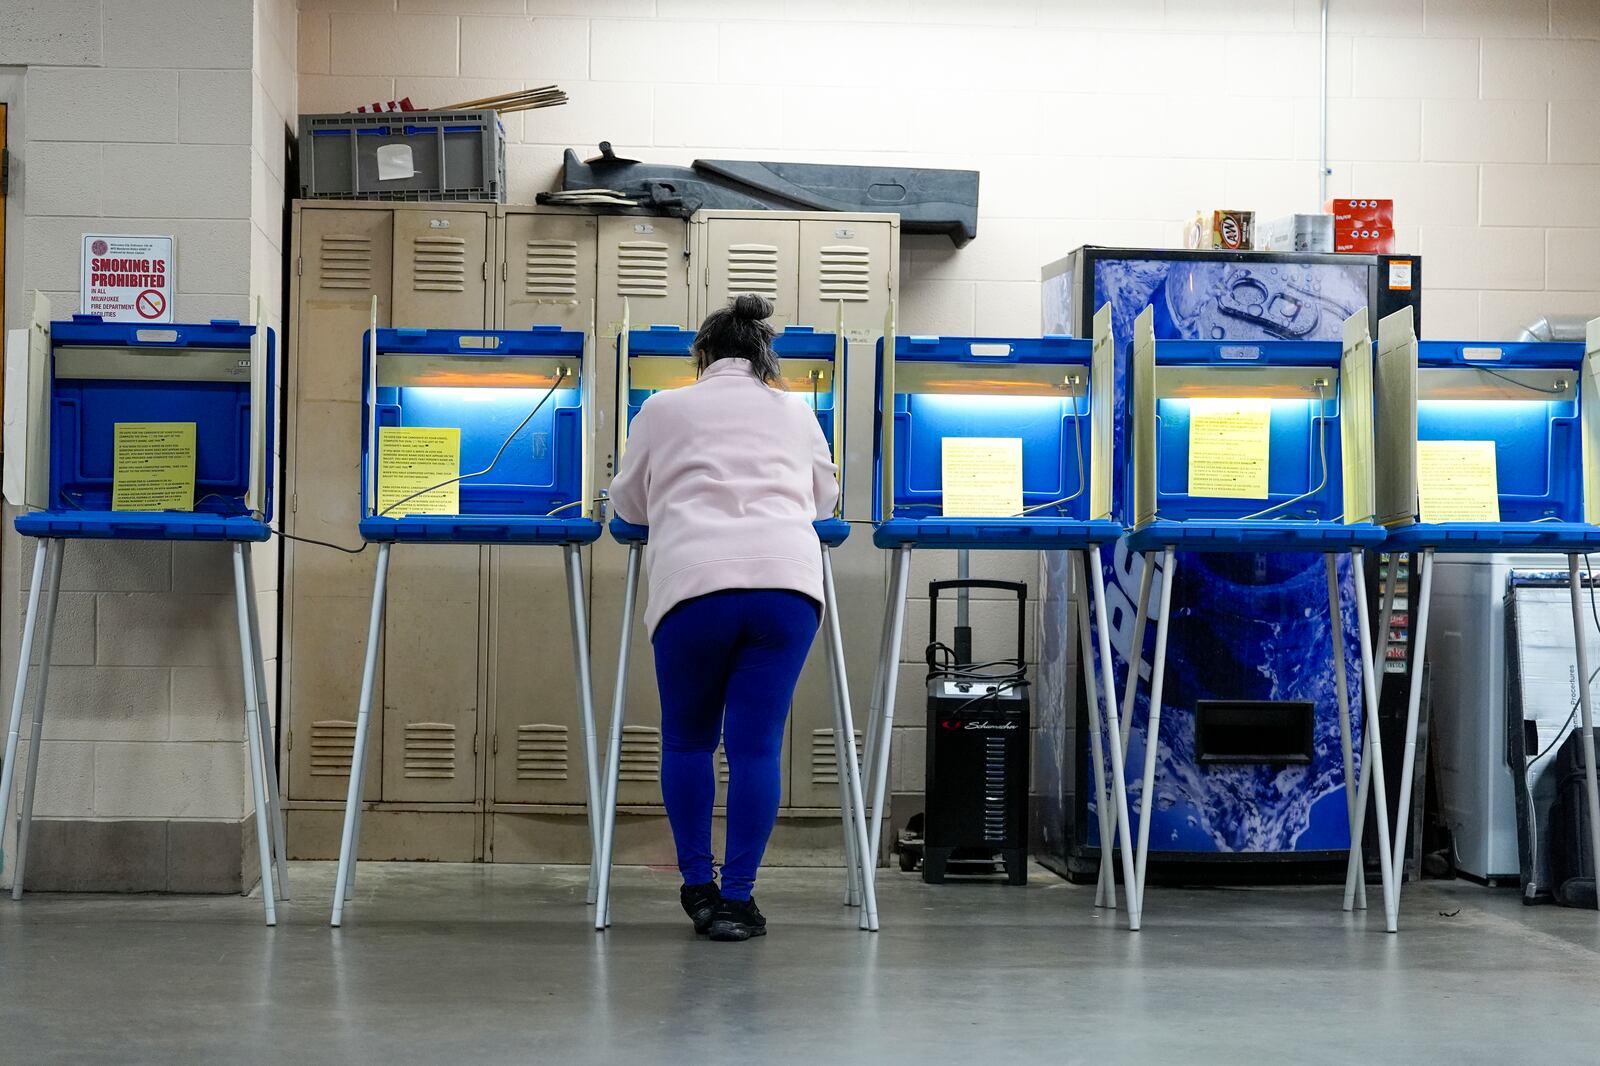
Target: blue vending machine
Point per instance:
(1265, 613)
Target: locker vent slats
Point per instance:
(541, 753)
(641, 753)
(345, 261)
(333, 745)
(753, 268)
(824, 770)
(844, 272)
(439, 264)
(430, 749)
(642, 269)
(551, 268)
(722, 765)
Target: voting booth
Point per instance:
(132, 432)
(1484, 448)
(1261, 446)
(812, 365)
(1003, 444)
(474, 437)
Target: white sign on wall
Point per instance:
(127, 278)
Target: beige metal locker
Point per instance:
(644, 264)
(812, 264)
(850, 263)
(755, 252)
(428, 266)
(546, 277)
(432, 647)
(343, 259)
(547, 269)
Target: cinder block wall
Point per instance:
(1091, 121)
(146, 116)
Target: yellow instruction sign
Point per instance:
(412, 463)
(1228, 445)
(1457, 481)
(982, 476)
(153, 466)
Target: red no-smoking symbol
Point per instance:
(150, 303)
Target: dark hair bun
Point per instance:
(749, 307)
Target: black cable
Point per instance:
(1077, 439)
(322, 543)
(996, 675)
(1523, 384)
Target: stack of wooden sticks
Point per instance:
(519, 100)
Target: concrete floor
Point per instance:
(477, 964)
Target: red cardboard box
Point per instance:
(1362, 225)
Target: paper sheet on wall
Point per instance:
(411, 461)
(153, 466)
(1229, 442)
(982, 476)
(1457, 481)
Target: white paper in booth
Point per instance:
(1229, 442)
(982, 476)
(395, 162)
(1457, 481)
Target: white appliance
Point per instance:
(1467, 655)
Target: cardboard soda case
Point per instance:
(1362, 225)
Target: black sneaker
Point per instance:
(699, 902)
(737, 919)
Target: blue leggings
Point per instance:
(726, 665)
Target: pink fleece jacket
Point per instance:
(729, 475)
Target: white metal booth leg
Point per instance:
(578, 613)
(344, 883)
(1341, 684)
(252, 734)
(1372, 777)
(1112, 807)
(1409, 754)
(41, 552)
(1373, 675)
(888, 666)
(1152, 738)
(838, 696)
(1585, 702)
(1119, 788)
(852, 811)
(269, 758)
(55, 552)
(1130, 690)
(619, 705)
(886, 660)
(1105, 889)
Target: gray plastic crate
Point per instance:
(404, 155)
